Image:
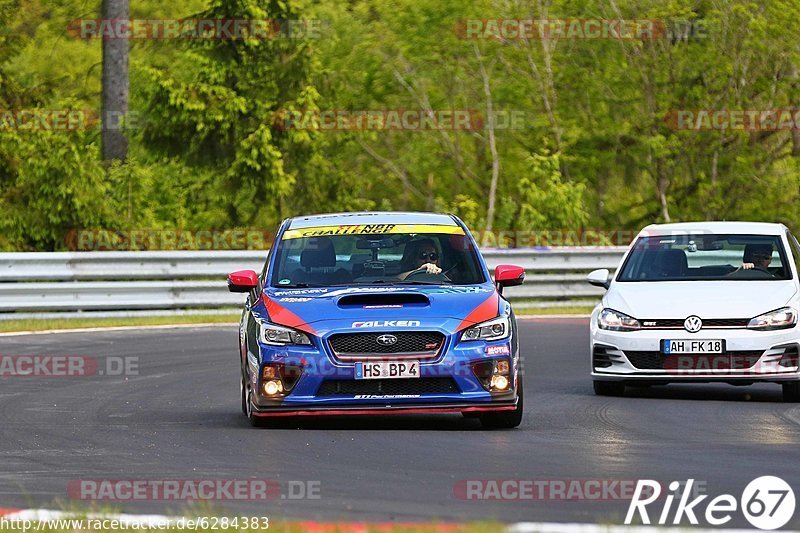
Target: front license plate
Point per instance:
(681, 346)
(387, 369)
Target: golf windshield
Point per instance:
(317, 257)
(706, 257)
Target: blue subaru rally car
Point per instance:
(378, 313)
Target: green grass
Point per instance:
(578, 310)
(37, 324)
(93, 322)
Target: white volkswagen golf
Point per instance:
(700, 302)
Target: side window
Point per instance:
(795, 246)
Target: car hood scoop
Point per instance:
(384, 299)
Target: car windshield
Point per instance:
(706, 257)
(357, 255)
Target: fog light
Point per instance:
(502, 367)
(271, 388)
(499, 382)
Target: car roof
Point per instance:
(752, 228)
(371, 217)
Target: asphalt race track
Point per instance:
(177, 416)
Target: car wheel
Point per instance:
(243, 389)
(255, 421)
(791, 391)
(609, 388)
(505, 419)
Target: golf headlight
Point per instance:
(281, 336)
(491, 330)
(616, 321)
(782, 318)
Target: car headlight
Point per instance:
(491, 330)
(616, 321)
(782, 318)
(281, 336)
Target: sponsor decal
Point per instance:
(458, 290)
(291, 299)
(386, 324)
(364, 290)
(370, 229)
(384, 396)
(294, 292)
(501, 349)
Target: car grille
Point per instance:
(410, 344)
(351, 387)
(724, 361)
(601, 359)
(790, 358)
(708, 323)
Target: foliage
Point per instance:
(592, 146)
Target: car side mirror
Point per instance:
(242, 281)
(508, 276)
(599, 278)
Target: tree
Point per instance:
(115, 84)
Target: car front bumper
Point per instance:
(328, 385)
(748, 356)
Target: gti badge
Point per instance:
(386, 340)
(693, 324)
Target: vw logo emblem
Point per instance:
(386, 340)
(693, 324)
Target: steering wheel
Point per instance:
(414, 276)
(748, 273)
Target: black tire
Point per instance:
(505, 419)
(255, 421)
(609, 388)
(244, 386)
(791, 391)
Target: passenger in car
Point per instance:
(420, 256)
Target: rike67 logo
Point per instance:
(767, 502)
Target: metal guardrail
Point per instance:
(108, 281)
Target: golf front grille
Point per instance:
(708, 323)
(410, 386)
(723, 361)
(386, 345)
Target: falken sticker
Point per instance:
(387, 324)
